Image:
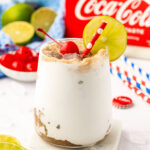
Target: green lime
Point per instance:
(18, 12)
(43, 18)
(113, 38)
(10, 146)
(9, 139)
(20, 32)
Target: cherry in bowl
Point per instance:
(20, 65)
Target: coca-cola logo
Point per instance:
(128, 11)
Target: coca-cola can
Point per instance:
(134, 14)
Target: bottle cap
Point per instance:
(122, 102)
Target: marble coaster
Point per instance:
(109, 143)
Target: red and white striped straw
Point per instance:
(137, 91)
(94, 39)
(134, 77)
(138, 82)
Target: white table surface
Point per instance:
(16, 112)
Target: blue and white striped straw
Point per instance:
(128, 79)
(130, 85)
(136, 68)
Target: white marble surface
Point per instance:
(16, 112)
(110, 142)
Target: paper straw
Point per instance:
(141, 84)
(137, 91)
(136, 68)
(94, 38)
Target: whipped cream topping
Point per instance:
(51, 53)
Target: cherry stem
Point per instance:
(39, 44)
(41, 30)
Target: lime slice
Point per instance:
(43, 18)
(113, 38)
(18, 12)
(20, 32)
(9, 139)
(10, 146)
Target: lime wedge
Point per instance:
(113, 38)
(10, 146)
(20, 32)
(43, 18)
(9, 139)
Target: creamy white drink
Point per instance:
(73, 97)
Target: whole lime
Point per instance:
(18, 12)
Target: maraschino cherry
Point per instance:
(24, 53)
(65, 48)
(7, 59)
(31, 66)
(17, 65)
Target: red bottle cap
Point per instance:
(122, 102)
